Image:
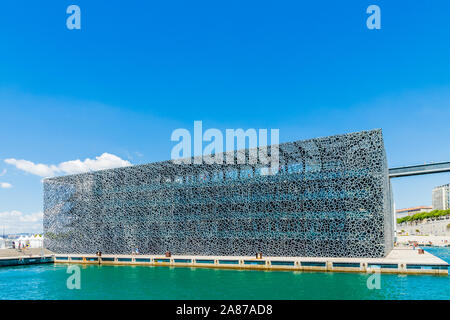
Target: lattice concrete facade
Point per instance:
(328, 197)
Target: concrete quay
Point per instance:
(399, 261)
(13, 257)
(425, 241)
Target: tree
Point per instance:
(424, 215)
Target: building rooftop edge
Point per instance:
(412, 208)
(376, 130)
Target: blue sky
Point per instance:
(138, 70)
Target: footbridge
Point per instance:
(419, 169)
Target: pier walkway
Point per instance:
(14, 257)
(400, 260)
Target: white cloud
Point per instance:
(37, 169)
(5, 185)
(3, 172)
(17, 222)
(105, 161)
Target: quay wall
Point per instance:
(437, 267)
(18, 261)
(434, 227)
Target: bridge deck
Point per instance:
(419, 169)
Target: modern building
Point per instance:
(401, 213)
(441, 197)
(328, 197)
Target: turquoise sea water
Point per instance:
(139, 282)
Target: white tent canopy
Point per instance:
(35, 241)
